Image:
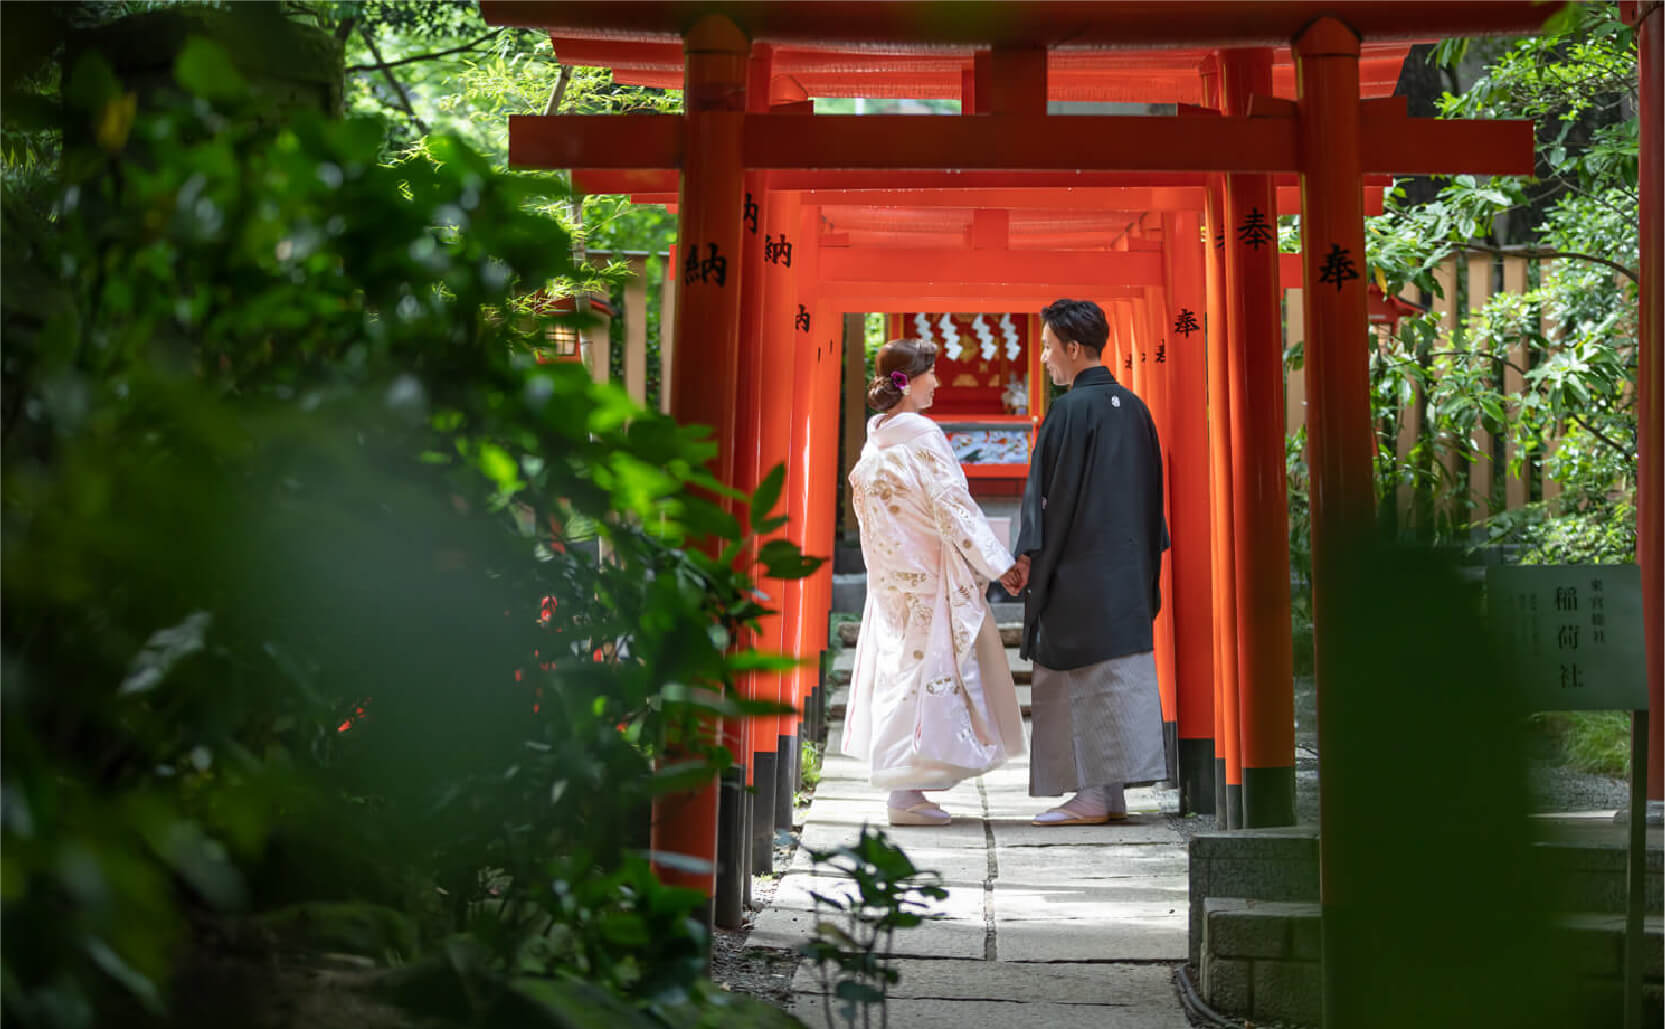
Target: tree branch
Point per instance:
(1598, 434)
(1543, 252)
(393, 80)
(381, 65)
(559, 93)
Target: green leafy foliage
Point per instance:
(1558, 361)
(877, 891)
(319, 588)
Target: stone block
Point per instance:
(1287, 843)
(1306, 938)
(1289, 991)
(1592, 945)
(1246, 929)
(1586, 862)
(1228, 985)
(1263, 864)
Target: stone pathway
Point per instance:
(1058, 927)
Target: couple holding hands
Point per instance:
(931, 698)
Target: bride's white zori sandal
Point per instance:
(909, 807)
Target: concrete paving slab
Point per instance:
(847, 788)
(948, 938)
(1022, 901)
(855, 807)
(1142, 920)
(1066, 909)
(836, 826)
(954, 864)
(963, 903)
(1120, 985)
(1015, 803)
(1137, 829)
(1077, 864)
(1128, 936)
(990, 1014)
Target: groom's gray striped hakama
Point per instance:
(1094, 726)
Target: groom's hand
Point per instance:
(1017, 576)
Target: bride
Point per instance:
(931, 697)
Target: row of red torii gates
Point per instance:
(787, 219)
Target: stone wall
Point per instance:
(1261, 959)
(1255, 922)
(1265, 864)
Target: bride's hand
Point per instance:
(1017, 576)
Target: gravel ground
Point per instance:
(762, 972)
(1554, 787)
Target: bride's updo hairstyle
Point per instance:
(897, 362)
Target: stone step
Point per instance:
(1011, 633)
(849, 591)
(1584, 857)
(1260, 959)
(848, 560)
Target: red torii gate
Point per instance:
(1329, 137)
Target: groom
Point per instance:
(1090, 551)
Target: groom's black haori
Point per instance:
(1092, 525)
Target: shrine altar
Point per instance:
(990, 388)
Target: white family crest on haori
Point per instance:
(931, 697)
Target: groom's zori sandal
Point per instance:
(1064, 816)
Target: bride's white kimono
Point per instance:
(931, 697)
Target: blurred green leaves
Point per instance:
(873, 891)
(317, 586)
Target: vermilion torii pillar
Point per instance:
(778, 336)
(802, 683)
(1228, 779)
(737, 809)
(1260, 526)
(708, 334)
(1192, 596)
(1341, 453)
